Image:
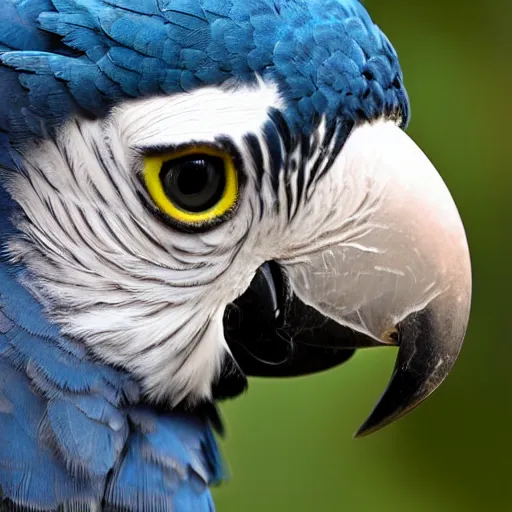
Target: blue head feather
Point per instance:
(75, 426)
(327, 58)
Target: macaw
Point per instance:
(193, 192)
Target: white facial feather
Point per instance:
(202, 115)
(139, 293)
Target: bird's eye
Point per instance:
(193, 187)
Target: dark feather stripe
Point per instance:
(185, 353)
(104, 167)
(273, 142)
(305, 150)
(322, 155)
(290, 171)
(342, 131)
(253, 144)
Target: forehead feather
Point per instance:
(327, 58)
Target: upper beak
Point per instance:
(392, 269)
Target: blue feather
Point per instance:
(112, 49)
(72, 428)
(173, 456)
(70, 425)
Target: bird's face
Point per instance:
(186, 234)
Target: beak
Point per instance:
(391, 269)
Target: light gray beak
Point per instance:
(393, 263)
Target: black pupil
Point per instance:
(194, 183)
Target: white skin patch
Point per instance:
(151, 298)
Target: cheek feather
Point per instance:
(138, 293)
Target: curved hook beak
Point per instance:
(398, 270)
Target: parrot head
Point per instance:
(204, 191)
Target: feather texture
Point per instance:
(73, 432)
(70, 56)
(76, 434)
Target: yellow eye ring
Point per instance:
(196, 170)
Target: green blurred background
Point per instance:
(290, 443)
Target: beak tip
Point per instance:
(364, 431)
(373, 424)
(426, 356)
(360, 433)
